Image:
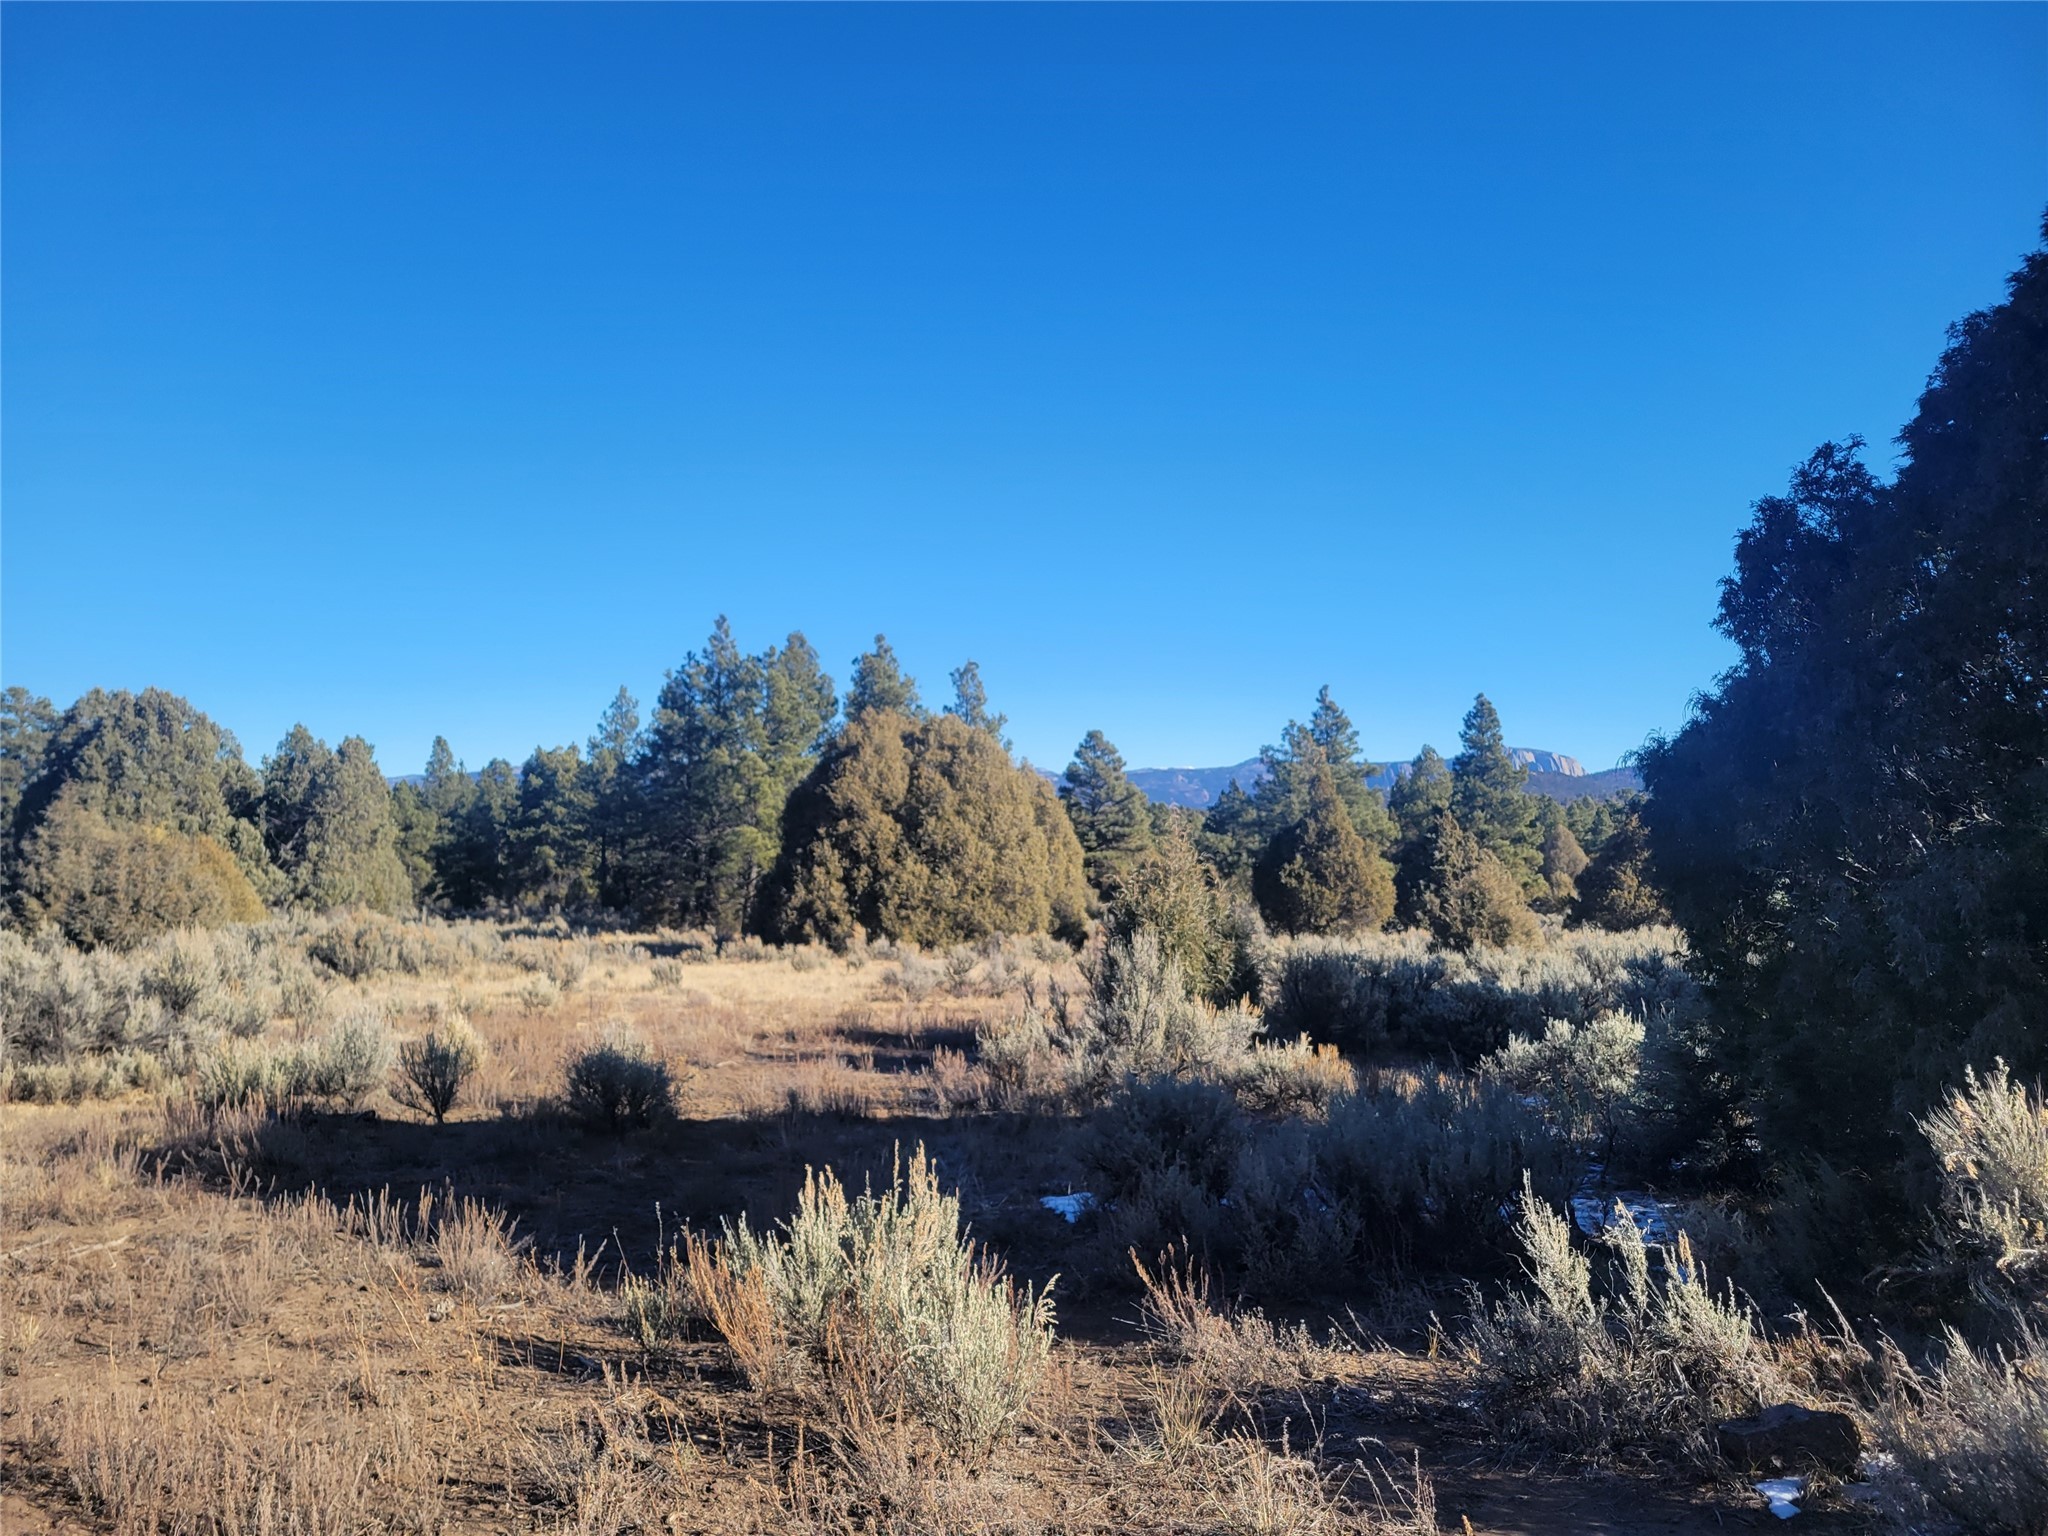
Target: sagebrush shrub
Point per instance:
(619, 1084)
(884, 1304)
(1645, 1370)
(352, 1059)
(1583, 1073)
(1991, 1139)
(1972, 1433)
(1374, 991)
(433, 1069)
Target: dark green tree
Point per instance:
(328, 821)
(1111, 815)
(732, 735)
(549, 859)
(970, 701)
(1453, 886)
(1852, 828)
(1616, 889)
(1233, 836)
(151, 759)
(27, 723)
(1490, 790)
(471, 865)
(879, 682)
(1420, 793)
(614, 803)
(1317, 876)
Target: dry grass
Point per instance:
(243, 1321)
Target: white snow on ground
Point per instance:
(1779, 1492)
(1073, 1206)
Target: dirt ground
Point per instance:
(257, 1325)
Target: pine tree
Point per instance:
(970, 702)
(1331, 729)
(549, 858)
(1111, 815)
(327, 818)
(1232, 836)
(731, 736)
(613, 803)
(1420, 793)
(27, 723)
(1317, 876)
(1490, 790)
(879, 683)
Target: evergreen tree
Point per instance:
(419, 834)
(879, 683)
(1111, 815)
(1852, 829)
(1330, 742)
(102, 882)
(613, 803)
(731, 736)
(150, 759)
(1331, 729)
(471, 867)
(549, 858)
(923, 829)
(1233, 836)
(27, 723)
(1489, 790)
(1170, 893)
(1318, 876)
(327, 820)
(1563, 862)
(1454, 887)
(970, 702)
(1420, 793)
(1616, 889)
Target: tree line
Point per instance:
(752, 799)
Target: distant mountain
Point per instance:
(1550, 773)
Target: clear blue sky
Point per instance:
(410, 370)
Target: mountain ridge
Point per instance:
(1552, 774)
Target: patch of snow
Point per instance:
(1779, 1492)
(1073, 1207)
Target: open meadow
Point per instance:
(248, 1290)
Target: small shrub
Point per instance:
(884, 1301)
(538, 994)
(666, 975)
(664, 1308)
(1647, 1372)
(1972, 1434)
(352, 1059)
(1293, 1077)
(476, 1251)
(1583, 1074)
(619, 1084)
(1991, 1140)
(433, 1069)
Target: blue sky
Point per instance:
(411, 369)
